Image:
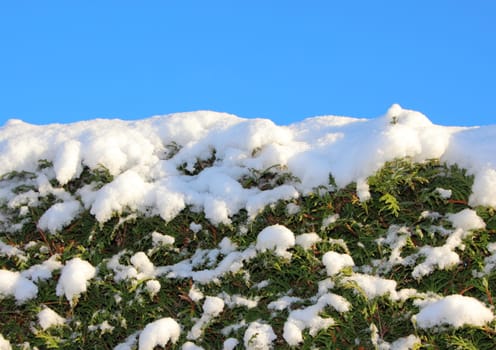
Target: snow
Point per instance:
(143, 265)
(276, 237)
(230, 344)
(191, 346)
(48, 318)
(406, 343)
(237, 300)
(301, 319)
(374, 286)
(67, 162)
(152, 287)
(195, 294)
(59, 215)
(9, 250)
(444, 193)
(212, 307)
(160, 239)
(43, 271)
(159, 333)
(335, 262)
(4, 343)
(74, 278)
(454, 310)
(259, 336)
(133, 152)
(307, 240)
(283, 303)
(329, 220)
(467, 219)
(12, 283)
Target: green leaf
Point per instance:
(392, 203)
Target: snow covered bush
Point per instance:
(206, 230)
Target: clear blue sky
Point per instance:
(62, 61)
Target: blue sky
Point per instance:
(62, 61)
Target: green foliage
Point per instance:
(401, 193)
(98, 177)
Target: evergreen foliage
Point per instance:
(405, 197)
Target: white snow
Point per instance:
(12, 283)
(374, 286)
(283, 302)
(8, 250)
(191, 346)
(212, 307)
(454, 310)
(331, 219)
(133, 152)
(59, 215)
(335, 262)
(143, 265)
(152, 287)
(104, 327)
(467, 219)
(195, 227)
(129, 343)
(276, 237)
(307, 240)
(406, 343)
(74, 278)
(48, 318)
(160, 239)
(195, 294)
(4, 343)
(159, 333)
(43, 271)
(259, 336)
(444, 193)
(230, 344)
(301, 319)
(237, 300)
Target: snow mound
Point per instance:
(159, 333)
(335, 262)
(277, 237)
(14, 284)
(74, 278)
(467, 219)
(259, 336)
(454, 310)
(48, 318)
